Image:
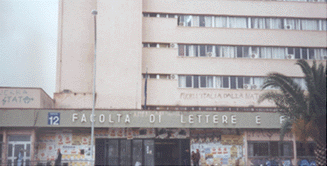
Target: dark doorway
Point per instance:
(123, 152)
(171, 152)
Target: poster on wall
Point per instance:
(214, 153)
(81, 139)
(143, 133)
(67, 138)
(172, 133)
(101, 133)
(47, 137)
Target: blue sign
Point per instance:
(53, 118)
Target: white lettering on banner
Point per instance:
(224, 119)
(181, 119)
(233, 119)
(102, 118)
(199, 118)
(74, 117)
(152, 118)
(215, 118)
(207, 116)
(92, 118)
(119, 117)
(83, 118)
(258, 119)
(190, 119)
(281, 119)
(127, 119)
(110, 120)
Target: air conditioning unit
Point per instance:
(324, 57)
(210, 54)
(173, 76)
(246, 86)
(253, 87)
(290, 56)
(254, 55)
(289, 27)
(173, 45)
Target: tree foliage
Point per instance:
(305, 111)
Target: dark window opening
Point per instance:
(225, 81)
(188, 81)
(233, 82)
(196, 81)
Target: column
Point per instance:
(4, 148)
(32, 149)
(246, 148)
(294, 150)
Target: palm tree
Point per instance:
(305, 111)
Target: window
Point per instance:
(259, 149)
(226, 82)
(305, 150)
(182, 81)
(152, 76)
(188, 20)
(311, 54)
(153, 45)
(203, 50)
(246, 22)
(188, 81)
(181, 50)
(309, 24)
(164, 76)
(171, 16)
(270, 148)
(233, 81)
(221, 21)
(203, 81)
(240, 82)
(201, 21)
(196, 22)
(246, 51)
(323, 25)
(196, 81)
(152, 15)
(208, 21)
(164, 45)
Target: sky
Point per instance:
(28, 43)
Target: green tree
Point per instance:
(305, 110)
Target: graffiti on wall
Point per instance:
(15, 96)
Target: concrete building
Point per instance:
(205, 62)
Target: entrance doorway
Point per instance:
(145, 152)
(15, 144)
(171, 152)
(122, 152)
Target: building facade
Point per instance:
(201, 65)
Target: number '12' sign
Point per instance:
(53, 118)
